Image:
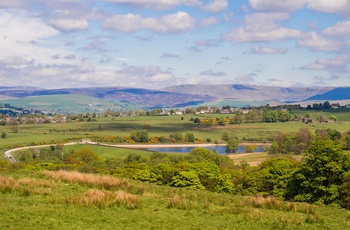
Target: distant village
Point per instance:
(9, 113)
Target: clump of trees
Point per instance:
(252, 116)
(300, 141)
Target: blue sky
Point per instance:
(158, 43)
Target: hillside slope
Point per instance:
(342, 93)
(179, 96)
(251, 93)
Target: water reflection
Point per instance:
(218, 149)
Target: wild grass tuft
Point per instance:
(314, 218)
(275, 204)
(91, 180)
(25, 186)
(105, 199)
(8, 184)
(183, 204)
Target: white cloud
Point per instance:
(339, 29)
(86, 74)
(145, 76)
(209, 21)
(267, 50)
(247, 79)
(95, 45)
(86, 67)
(207, 43)
(214, 73)
(262, 27)
(31, 28)
(15, 61)
(339, 64)
(276, 5)
(11, 4)
(69, 24)
(157, 4)
(327, 6)
(169, 55)
(171, 23)
(161, 77)
(25, 36)
(314, 41)
(216, 6)
(330, 6)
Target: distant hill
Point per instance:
(342, 93)
(122, 98)
(129, 97)
(250, 92)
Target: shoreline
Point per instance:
(146, 146)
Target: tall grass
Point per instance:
(8, 184)
(25, 186)
(177, 202)
(275, 204)
(91, 180)
(104, 199)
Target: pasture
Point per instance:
(48, 200)
(33, 134)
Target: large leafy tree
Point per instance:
(139, 136)
(231, 146)
(318, 180)
(271, 116)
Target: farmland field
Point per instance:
(29, 134)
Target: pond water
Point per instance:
(218, 149)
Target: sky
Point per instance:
(158, 43)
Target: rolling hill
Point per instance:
(179, 96)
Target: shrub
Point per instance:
(250, 148)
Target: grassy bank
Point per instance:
(32, 200)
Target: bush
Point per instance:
(250, 148)
(176, 136)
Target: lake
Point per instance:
(218, 149)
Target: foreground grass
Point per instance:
(63, 200)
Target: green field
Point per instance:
(107, 152)
(30, 199)
(158, 126)
(36, 201)
(70, 103)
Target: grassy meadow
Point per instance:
(71, 200)
(29, 134)
(106, 152)
(37, 199)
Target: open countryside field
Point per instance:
(32, 197)
(41, 200)
(159, 126)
